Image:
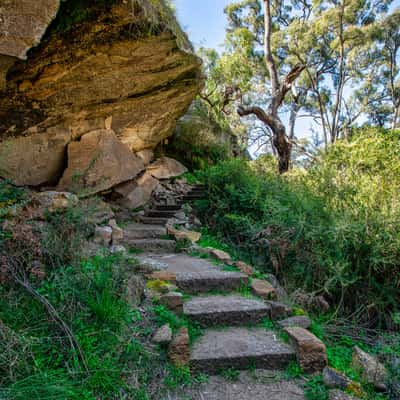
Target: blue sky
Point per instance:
(203, 20)
(205, 23)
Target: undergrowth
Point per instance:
(318, 229)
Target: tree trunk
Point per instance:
(283, 148)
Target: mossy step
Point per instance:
(240, 348)
(226, 310)
(160, 214)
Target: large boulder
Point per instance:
(166, 168)
(98, 162)
(136, 193)
(36, 159)
(130, 72)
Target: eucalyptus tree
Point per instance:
(335, 45)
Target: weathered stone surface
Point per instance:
(160, 246)
(225, 310)
(245, 268)
(373, 371)
(239, 348)
(310, 351)
(53, 201)
(279, 310)
(302, 321)
(173, 301)
(163, 335)
(103, 235)
(220, 255)
(184, 234)
(135, 290)
(117, 232)
(219, 388)
(99, 161)
(35, 159)
(146, 155)
(339, 395)
(166, 168)
(195, 275)
(335, 379)
(105, 78)
(138, 192)
(263, 289)
(23, 24)
(163, 276)
(142, 231)
(179, 348)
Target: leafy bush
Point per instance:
(331, 229)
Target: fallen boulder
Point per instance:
(166, 168)
(98, 162)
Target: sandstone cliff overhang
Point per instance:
(126, 67)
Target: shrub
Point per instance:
(332, 229)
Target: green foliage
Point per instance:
(315, 389)
(319, 229)
(230, 374)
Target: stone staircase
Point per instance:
(232, 335)
(151, 234)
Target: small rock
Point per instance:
(219, 255)
(310, 351)
(173, 301)
(179, 348)
(335, 379)
(135, 290)
(339, 395)
(117, 248)
(162, 276)
(302, 321)
(263, 289)
(183, 234)
(281, 293)
(117, 232)
(245, 268)
(371, 369)
(163, 335)
(53, 201)
(103, 235)
(279, 310)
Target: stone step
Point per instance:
(196, 275)
(154, 221)
(225, 310)
(144, 231)
(240, 348)
(160, 214)
(208, 281)
(192, 198)
(159, 246)
(167, 207)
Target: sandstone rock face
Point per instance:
(104, 73)
(35, 159)
(98, 162)
(56, 200)
(166, 168)
(23, 24)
